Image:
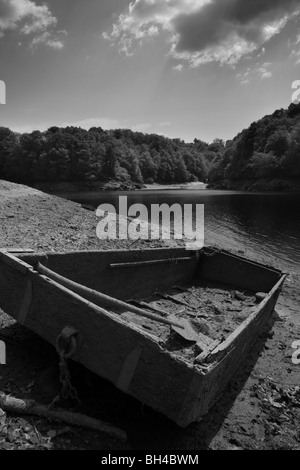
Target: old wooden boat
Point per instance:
(146, 356)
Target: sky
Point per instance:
(188, 69)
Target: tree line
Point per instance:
(269, 148)
(72, 154)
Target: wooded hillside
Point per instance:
(73, 154)
(269, 149)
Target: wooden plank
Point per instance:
(15, 263)
(92, 270)
(12, 289)
(201, 358)
(256, 317)
(128, 370)
(205, 343)
(139, 264)
(233, 270)
(18, 250)
(26, 303)
(162, 312)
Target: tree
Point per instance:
(110, 163)
(148, 167)
(263, 165)
(278, 143)
(291, 163)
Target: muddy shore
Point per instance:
(259, 410)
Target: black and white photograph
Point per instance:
(149, 228)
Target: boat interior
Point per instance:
(214, 290)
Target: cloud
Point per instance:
(50, 39)
(178, 68)
(32, 20)
(261, 71)
(264, 72)
(295, 53)
(202, 31)
(244, 77)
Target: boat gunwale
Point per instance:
(202, 251)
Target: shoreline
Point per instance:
(250, 186)
(175, 187)
(259, 185)
(77, 187)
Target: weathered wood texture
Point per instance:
(225, 360)
(92, 269)
(107, 342)
(103, 300)
(229, 269)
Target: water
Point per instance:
(265, 225)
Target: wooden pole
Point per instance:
(30, 407)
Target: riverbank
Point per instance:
(259, 410)
(186, 186)
(85, 187)
(77, 187)
(261, 185)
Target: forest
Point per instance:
(73, 154)
(268, 150)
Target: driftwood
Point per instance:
(30, 407)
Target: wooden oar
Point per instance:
(182, 326)
(152, 307)
(177, 301)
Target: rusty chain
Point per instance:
(66, 346)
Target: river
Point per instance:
(265, 225)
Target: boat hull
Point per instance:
(133, 359)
